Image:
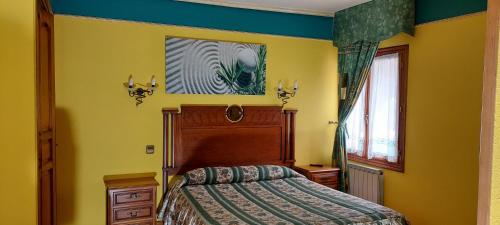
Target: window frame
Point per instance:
(398, 166)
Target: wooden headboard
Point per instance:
(201, 135)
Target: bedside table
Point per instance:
(131, 199)
(325, 175)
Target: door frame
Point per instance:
(488, 112)
(43, 5)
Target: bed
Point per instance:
(239, 173)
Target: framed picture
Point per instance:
(196, 66)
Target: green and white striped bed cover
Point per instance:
(293, 200)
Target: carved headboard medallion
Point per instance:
(234, 113)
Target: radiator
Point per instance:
(366, 183)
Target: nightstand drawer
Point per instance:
(133, 213)
(325, 175)
(331, 185)
(140, 223)
(132, 196)
(324, 178)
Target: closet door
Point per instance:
(45, 113)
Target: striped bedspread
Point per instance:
(286, 200)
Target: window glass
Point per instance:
(384, 108)
(356, 126)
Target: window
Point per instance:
(376, 126)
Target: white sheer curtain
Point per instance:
(356, 126)
(384, 107)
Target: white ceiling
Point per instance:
(309, 7)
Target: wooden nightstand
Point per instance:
(131, 199)
(325, 175)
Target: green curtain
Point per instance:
(354, 64)
(357, 33)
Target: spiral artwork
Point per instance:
(196, 66)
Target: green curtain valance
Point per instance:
(373, 21)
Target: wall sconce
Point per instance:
(139, 91)
(284, 95)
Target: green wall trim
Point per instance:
(432, 10)
(200, 15)
(245, 20)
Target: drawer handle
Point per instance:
(133, 214)
(133, 195)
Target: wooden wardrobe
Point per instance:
(46, 144)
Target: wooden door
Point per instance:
(45, 115)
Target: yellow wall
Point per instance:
(495, 180)
(439, 185)
(101, 131)
(17, 113)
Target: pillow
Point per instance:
(225, 175)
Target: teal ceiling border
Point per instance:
(432, 10)
(245, 20)
(200, 15)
